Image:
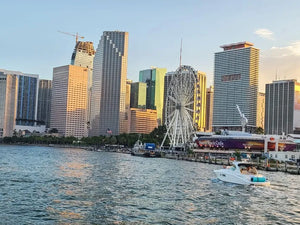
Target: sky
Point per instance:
(30, 41)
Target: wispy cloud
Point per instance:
(265, 33)
(293, 49)
(281, 62)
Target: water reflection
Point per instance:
(69, 186)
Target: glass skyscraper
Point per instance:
(108, 112)
(155, 79)
(235, 83)
(44, 102)
(138, 95)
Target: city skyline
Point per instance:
(202, 28)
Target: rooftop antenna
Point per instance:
(180, 53)
(276, 77)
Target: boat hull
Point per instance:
(225, 176)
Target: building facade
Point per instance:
(209, 108)
(260, 118)
(8, 103)
(44, 102)
(27, 100)
(138, 95)
(83, 56)
(69, 101)
(143, 121)
(109, 84)
(201, 77)
(282, 109)
(235, 83)
(154, 78)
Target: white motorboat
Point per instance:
(241, 173)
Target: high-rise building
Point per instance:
(127, 105)
(44, 102)
(154, 78)
(138, 95)
(27, 100)
(83, 56)
(8, 103)
(168, 78)
(282, 109)
(202, 114)
(143, 121)
(69, 100)
(109, 84)
(209, 108)
(260, 118)
(235, 83)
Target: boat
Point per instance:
(243, 173)
(145, 150)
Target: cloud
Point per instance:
(291, 50)
(265, 33)
(281, 63)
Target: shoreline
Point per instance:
(271, 167)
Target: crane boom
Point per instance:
(244, 120)
(74, 35)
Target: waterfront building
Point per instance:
(109, 84)
(209, 108)
(27, 99)
(44, 102)
(282, 111)
(260, 119)
(83, 56)
(8, 103)
(235, 83)
(143, 121)
(138, 95)
(69, 100)
(154, 78)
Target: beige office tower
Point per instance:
(202, 114)
(260, 116)
(209, 108)
(143, 121)
(83, 56)
(8, 103)
(108, 110)
(69, 101)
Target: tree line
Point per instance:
(128, 140)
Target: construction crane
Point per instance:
(74, 35)
(244, 120)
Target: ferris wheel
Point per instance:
(182, 107)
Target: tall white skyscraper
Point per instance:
(235, 83)
(108, 113)
(83, 56)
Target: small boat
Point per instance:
(145, 150)
(243, 173)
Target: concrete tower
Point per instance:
(108, 113)
(235, 83)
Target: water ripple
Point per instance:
(69, 186)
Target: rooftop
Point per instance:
(237, 45)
